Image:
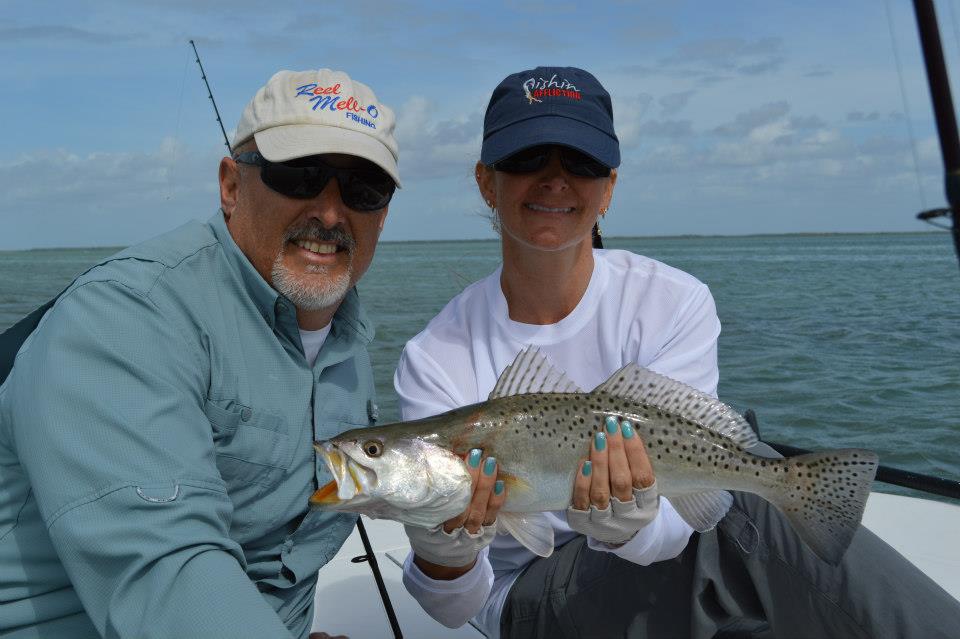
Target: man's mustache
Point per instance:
(316, 232)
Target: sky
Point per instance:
(733, 117)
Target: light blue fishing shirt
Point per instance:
(156, 450)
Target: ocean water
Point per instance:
(835, 340)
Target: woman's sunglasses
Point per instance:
(361, 189)
(535, 158)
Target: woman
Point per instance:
(622, 564)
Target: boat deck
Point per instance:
(347, 601)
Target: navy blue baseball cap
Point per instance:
(550, 105)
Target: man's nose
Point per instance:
(328, 206)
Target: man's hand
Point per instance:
(615, 492)
(450, 550)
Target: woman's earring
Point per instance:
(603, 211)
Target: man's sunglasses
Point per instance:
(535, 158)
(367, 188)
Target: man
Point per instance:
(156, 429)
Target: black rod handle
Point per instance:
(939, 84)
(371, 559)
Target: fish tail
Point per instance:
(824, 495)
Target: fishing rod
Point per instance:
(216, 111)
(369, 556)
(945, 116)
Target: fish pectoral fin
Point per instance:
(533, 530)
(514, 485)
(702, 510)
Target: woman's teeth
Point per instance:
(314, 247)
(549, 209)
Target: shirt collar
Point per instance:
(350, 316)
(263, 295)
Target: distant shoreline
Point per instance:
(605, 237)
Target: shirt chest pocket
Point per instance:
(251, 445)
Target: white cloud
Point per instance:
(433, 145)
(60, 198)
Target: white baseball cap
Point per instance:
(302, 113)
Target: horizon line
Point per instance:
(605, 237)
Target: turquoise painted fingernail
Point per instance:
(611, 424)
(600, 441)
(627, 429)
(498, 487)
(474, 459)
(587, 469)
(490, 465)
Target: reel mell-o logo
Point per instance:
(330, 98)
(536, 88)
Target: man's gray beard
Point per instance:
(307, 291)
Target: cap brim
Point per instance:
(281, 143)
(551, 129)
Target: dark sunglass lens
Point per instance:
(366, 190)
(295, 182)
(582, 165)
(526, 161)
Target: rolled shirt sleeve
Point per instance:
(109, 427)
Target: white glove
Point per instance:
(454, 549)
(619, 521)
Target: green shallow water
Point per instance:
(835, 341)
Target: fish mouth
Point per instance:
(350, 480)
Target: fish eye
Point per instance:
(373, 448)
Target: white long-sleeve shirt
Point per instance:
(635, 309)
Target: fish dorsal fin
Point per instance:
(532, 372)
(641, 385)
(702, 510)
(532, 530)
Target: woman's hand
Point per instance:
(450, 550)
(615, 491)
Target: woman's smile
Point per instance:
(549, 209)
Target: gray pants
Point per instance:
(749, 577)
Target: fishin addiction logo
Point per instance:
(330, 98)
(536, 88)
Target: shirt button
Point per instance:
(245, 414)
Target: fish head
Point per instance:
(406, 479)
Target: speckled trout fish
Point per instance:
(539, 425)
